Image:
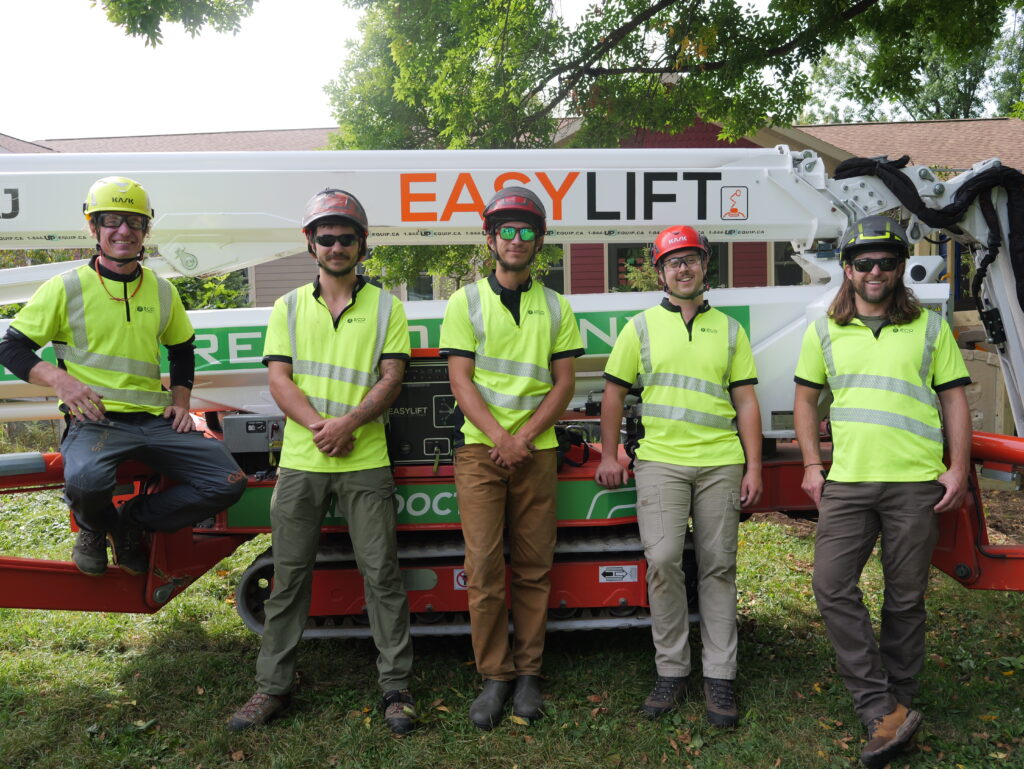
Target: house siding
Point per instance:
(749, 264)
(586, 275)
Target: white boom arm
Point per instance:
(217, 212)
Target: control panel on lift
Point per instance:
(423, 419)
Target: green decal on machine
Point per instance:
(434, 503)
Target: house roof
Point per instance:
(10, 144)
(943, 144)
(226, 141)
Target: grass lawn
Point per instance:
(132, 691)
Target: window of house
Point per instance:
(422, 288)
(785, 271)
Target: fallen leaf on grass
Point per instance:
(674, 744)
(778, 763)
(528, 739)
(238, 755)
(366, 722)
(144, 725)
(443, 708)
(518, 720)
(595, 698)
(200, 691)
(598, 712)
(989, 717)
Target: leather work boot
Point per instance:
(90, 553)
(399, 711)
(720, 696)
(489, 706)
(527, 702)
(260, 709)
(889, 735)
(127, 545)
(665, 695)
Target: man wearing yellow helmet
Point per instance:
(106, 321)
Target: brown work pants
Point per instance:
(850, 518)
(524, 500)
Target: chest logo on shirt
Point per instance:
(536, 312)
(706, 330)
(902, 330)
(142, 308)
(355, 320)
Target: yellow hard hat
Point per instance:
(117, 193)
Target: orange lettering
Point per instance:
(464, 181)
(557, 194)
(409, 197)
(514, 176)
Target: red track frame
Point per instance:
(963, 550)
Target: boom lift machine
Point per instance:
(218, 212)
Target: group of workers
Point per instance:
(336, 351)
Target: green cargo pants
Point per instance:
(367, 500)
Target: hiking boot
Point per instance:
(527, 702)
(399, 711)
(667, 692)
(889, 735)
(260, 709)
(90, 553)
(489, 706)
(127, 545)
(720, 696)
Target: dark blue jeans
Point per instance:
(208, 479)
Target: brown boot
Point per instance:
(889, 735)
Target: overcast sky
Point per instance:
(56, 54)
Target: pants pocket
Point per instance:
(649, 516)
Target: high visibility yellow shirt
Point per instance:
(112, 346)
(687, 371)
(885, 416)
(512, 361)
(335, 362)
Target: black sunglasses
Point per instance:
(328, 241)
(885, 264)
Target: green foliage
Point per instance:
(641, 276)
(397, 265)
(143, 18)
(218, 292)
(880, 75)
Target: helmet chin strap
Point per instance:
(692, 296)
(121, 260)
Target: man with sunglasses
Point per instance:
(897, 380)
(511, 345)
(336, 351)
(107, 321)
(697, 454)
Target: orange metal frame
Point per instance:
(178, 559)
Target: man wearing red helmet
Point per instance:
(697, 454)
(335, 351)
(511, 345)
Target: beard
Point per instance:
(336, 273)
(510, 268)
(886, 292)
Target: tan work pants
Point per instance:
(524, 499)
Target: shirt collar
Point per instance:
(360, 282)
(497, 288)
(109, 274)
(667, 304)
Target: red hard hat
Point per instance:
(676, 239)
(334, 203)
(509, 201)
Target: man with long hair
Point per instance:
(898, 381)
